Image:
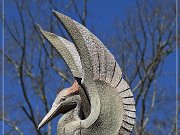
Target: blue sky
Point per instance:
(102, 16)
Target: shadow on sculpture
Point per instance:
(100, 101)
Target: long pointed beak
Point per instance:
(50, 115)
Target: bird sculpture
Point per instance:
(100, 102)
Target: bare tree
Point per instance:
(145, 39)
(32, 72)
(33, 63)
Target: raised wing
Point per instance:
(67, 50)
(99, 64)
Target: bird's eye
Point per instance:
(63, 98)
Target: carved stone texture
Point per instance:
(103, 104)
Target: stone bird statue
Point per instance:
(100, 101)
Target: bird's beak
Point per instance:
(50, 115)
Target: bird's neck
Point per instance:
(111, 112)
(68, 118)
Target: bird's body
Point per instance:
(100, 102)
(109, 119)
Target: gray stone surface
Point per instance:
(106, 99)
(67, 50)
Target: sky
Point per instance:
(102, 18)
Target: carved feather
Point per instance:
(67, 50)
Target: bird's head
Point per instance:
(65, 101)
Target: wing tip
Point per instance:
(59, 16)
